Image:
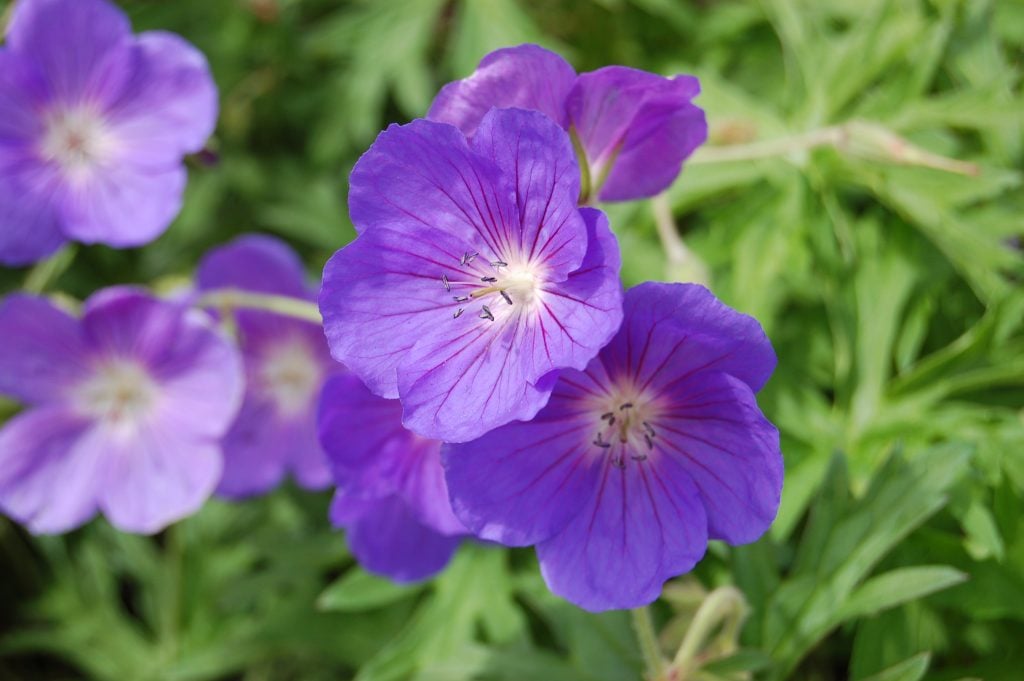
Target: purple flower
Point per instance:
(94, 124)
(286, 363)
(392, 496)
(126, 408)
(637, 461)
(474, 277)
(634, 128)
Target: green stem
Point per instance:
(46, 272)
(234, 299)
(724, 606)
(863, 139)
(581, 158)
(654, 662)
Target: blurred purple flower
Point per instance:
(637, 461)
(94, 124)
(126, 409)
(635, 128)
(392, 497)
(475, 277)
(286, 364)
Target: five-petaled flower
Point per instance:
(391, 495)
(633, 129)
(94, 125)
(286, 363)
(475, 277)
(656, 447)
(126, 409)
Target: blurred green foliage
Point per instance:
(891, 289)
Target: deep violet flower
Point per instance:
(94, 124)
(634, 128)
(126, 407)
(392, 496)
(474, 276)
(286, 363)
(637, 461)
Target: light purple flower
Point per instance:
(392, 496)
(126, 406)
(475, 277)
(94, 124)
(637, 461)
(635, 128)
(286, 363)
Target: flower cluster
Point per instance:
(483, 373)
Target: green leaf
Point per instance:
(897, 587)
(912, 669)
(359, 590)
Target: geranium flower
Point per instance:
(126, 406)
(638, 460)
(94, 125)
(286, 363)
(633, 128)
(392, 497)
(474, 277)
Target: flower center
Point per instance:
(500, 287)
(290, 376)
(76, 140)
(121, 393)
(626, 428)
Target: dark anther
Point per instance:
(639, 457)
(607, 415)
(489, 280)
(460, 299)
(444, 280)
(498, 263)
(649, 429)
(467, 258)
(506, 297)
(626, 405)
(647, 439)
(619, 462)
(601, 443)
(458, 313)
(486, 314)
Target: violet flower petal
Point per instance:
(524, 77)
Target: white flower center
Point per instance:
(290, 376)
(503, 289)
(626, 426)
(77, 140)
(121, 393)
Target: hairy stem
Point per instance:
(863, 139)
(233, 299)
(654, 662)
(725, 607)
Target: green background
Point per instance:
(891, 290)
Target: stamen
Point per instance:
(647, 439)
(505, 296)
(444, 280)
(649, 429)
(499, 263)
(458, 313)
(460, 299)
(489, 280)
(601, 443)
(619, 462)
(608, 415)
(467, 258)
(486, 314)
(639, 457)
(626, 405)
